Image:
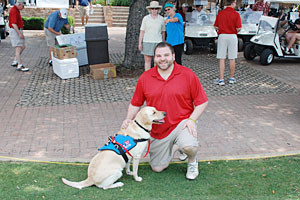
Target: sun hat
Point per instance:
(154, 4)
(168, 5)
(64, 13)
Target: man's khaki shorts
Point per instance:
(15, 39)
(227, 43)
(84, 10)
(50, 37)
(161, 150)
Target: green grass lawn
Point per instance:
(274, 178)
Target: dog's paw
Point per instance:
(138, 178)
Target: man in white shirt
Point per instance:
(197, 13)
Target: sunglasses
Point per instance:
(154, 8)
(167, 9)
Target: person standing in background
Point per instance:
(52, 27)
(152, 32)
(16, 34)
(84, 9)
(174, 29)
(228, 24)
(184, 9)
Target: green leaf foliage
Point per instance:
(64, 30)
(120, 2)
(33, 23)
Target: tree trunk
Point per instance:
(133, 58)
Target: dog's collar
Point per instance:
(142, 126)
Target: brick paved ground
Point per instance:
(233, 126)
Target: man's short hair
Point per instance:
(164, 44)
(229, 2)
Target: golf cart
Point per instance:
(250, 21)
(267, 43)
(200, 33)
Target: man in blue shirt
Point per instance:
(84, 9)
(53, 25)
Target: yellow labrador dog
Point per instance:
(106, 167)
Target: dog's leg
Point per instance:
(128, 170)
(127, 167)
(109, 182)
(135, 169)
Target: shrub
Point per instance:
(120, 2)
(33, 23)
(64, 30)
(101, 2)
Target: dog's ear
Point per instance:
(143, 117)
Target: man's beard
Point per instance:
(169, 64)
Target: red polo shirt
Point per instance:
(15, 17)
(228, 20)
(177, 96)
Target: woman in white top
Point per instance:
(152, 32)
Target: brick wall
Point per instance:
(43, 12)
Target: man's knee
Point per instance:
(190, 150)
(159, 168)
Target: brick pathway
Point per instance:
(233, 126)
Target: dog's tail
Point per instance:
(87, 182)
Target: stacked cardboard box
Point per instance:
(64, 51)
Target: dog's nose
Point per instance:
(164, 114)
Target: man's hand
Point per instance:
(21, 36)
(125, 123)
(191, 127)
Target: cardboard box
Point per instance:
(103, 71)
(64, 51)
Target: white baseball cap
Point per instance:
(64, 13)
(22, 2)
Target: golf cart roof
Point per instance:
(283, 1)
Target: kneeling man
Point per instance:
(176, 90)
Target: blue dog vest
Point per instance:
(126, 142)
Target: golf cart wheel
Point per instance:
(240, 44)
(2, 33)
(249, 52)
(214, 46)
(266, 57)
(188, 47)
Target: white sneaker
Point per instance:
(192, 170)
(182, 156)
(22, 68)
(14, 63)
